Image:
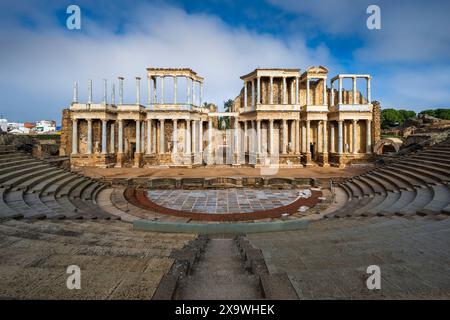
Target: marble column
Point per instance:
(340, 91)
(210, 136)
(104, 126)
(175, 137)
(307, 92)
(89, 136)
(154, 134)
(354, 90)
(188, 138)
(89, 91)
(325, 137)
(194, 137)
(284, 90)
(283, 147)
(236, 135)
(74, 136)
(155, 91)
(75, 92)
(161, 100)
(120, 136)
(271, 91)
(149, 88)
(138, 90)
(297, 136)
(175, 89)
(355, 128)
(200, 135)
(324, 92)
(319, 137)
(271, 133)
(188, 91)
(138, 136)
(105, 91)
(245, 94)
(245, 144)
(308, 138)
(113, 94)
(253, 93)
(303, 125)
(258, 90)
(340, 136)
(369, 93)
(292, 136)
(112, 148)
(296, 90)
(193, 91)
(201, 93)
(368, 136)
(149, 136)
(332, 148)
(331, 94)
(258, 137)
(161, 137)
(120, 90)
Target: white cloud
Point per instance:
(39, 67)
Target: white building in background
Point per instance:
(3, 125)
(45, 126)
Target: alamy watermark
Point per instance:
(374, 20)
(73, 21)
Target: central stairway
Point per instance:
(220, 275)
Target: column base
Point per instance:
(325, 163)
(137, 160)
(120, 160)
(187, 159)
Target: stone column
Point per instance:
(75, 92)
(175, 136)
(258, 137)
(296, 90)
(245, 144)
(258, 90)
(161, 137)
(369, 94)
(113, 94)
(89, 137)
(120, 90)
(308, 141)
(324, 92)
(340, 135)
(193, 91)
(340, 90)
(104, 126)
(112, 147)
(188, 91)
(149, 88)
(154, 134)
(138, 90)
(105, 91)
(149, 136)
(368, 136)
(304, 149)
(175, 89)
(155, 91)
(236, 140)
(138, 136)
(354, 136)
(271, 133)
(307, 92)
(292, 136)
(194, 137)
(354, 90)
(200, 135)
(89, 91)
(284, 90)
(283, 147)
(188, 138)
(245, 94)
(210, 142)
(325, 145)
(201, 93)
(332, 148)
(253, 93)
(161, 100)
(297, 136)
(292, 92)
(331, 94)
(120, 137)
(74, 136)
(271, 91)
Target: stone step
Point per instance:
(398, 184)
(38, 183)
(438, 178)
(104, 202)
(27, 177)
(441, 198)
(388, 201)
(406, 197)
(5, 210)
(412, 180)
(439, 162)
(423, 197)
(18, 172)
(375, 201)
(410, 172)
(354, 187)
(367, 189)
(57, 184)
(375, 185)
(432, 168)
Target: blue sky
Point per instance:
(409, 58)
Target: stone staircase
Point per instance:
(416, 183)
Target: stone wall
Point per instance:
(376, 123)
(66, 134)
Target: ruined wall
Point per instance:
(376, 123)
(66, 134)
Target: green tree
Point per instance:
(393, 117)
(438, 113)
(228, 107)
